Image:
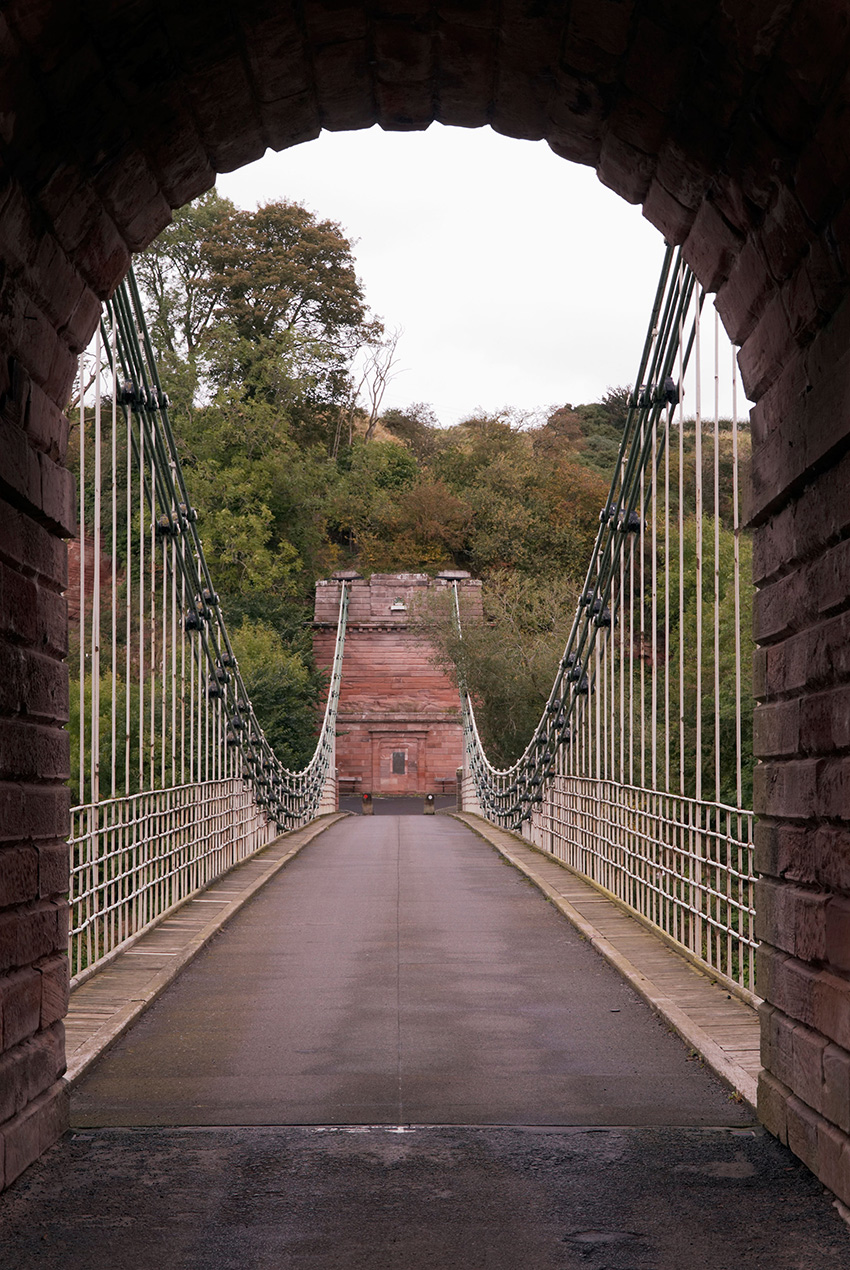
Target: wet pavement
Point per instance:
(399, 1055)
(427, 1199)
(398, 972)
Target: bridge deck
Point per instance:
(398, 1056)
(723, 1031)
(394, 973)
(720, 1027)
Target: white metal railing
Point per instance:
(175, 779)
(136, 858)
(638, 775)
(685, 867)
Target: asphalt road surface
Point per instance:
(399, 1055)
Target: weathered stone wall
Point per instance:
(802, 731)
(393, 699)
(34, 514)
(725, 119)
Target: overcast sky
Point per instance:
(520, 280)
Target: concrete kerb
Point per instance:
(695, 1037)
(107, 1035)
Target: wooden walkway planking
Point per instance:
(720, 1027)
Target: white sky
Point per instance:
(520, 280)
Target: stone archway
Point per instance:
(725, 121)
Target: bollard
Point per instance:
(429, 805)
(459, 778)
(368, 809)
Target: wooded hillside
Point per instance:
(276, 371)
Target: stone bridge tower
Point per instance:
(399, 728)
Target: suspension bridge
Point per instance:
(378, 976)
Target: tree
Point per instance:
(174, 275)
(268, 301)
(509, 659)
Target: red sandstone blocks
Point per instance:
(787, 850)
(816, 38)
(830, 580)
(46, 426)
(404, 54)
(834, 1159)
(777, 1042)
(788, 790)
(825, 721)
(20, 472)
(816, 997)
(18, 875)
(801, 306)
(712, 247)
(463, 74)
(19, 236)
(343, 84)
(767, 350)
(773, 1105)
(786, 983)
(32, 812)
(820, 513)
(30, 337)
(776, 731)
(519, 106)
(29, 933)
(804, 854)
(227, 114)
(34, 1130)
(816, 590)
(745, 293)
(624, 169)
(19, 597)
(815, 658)
(291, 120)
(14, 1081)
(51, 622)
(53, 869)
(806, 1080)
(150, 219)
(780, 608)
(803, 1132)
(55, 282)
(829, 850)
(404, 108)
(33, 751)
(20, 1007)
(58, 500)
(792, 919)
(102, 257)
(667, 214)
(42, 686)
(784, 235)
(173, 147)
(835, 1095)
(684, 173)
(667, 53)
(603, 26)
(70, 203)
(837, 933)
(127, 186)
(82, 322)
(274, 50)
(55, 978)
